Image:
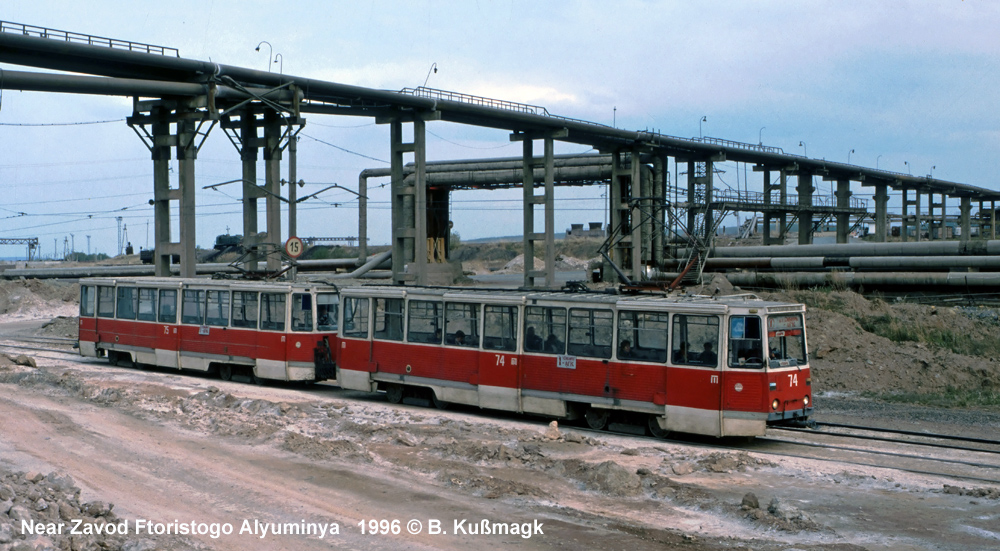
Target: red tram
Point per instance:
(723, 367)
(726, 366)
(278, 331)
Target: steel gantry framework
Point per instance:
(178, 101)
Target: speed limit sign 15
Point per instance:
(294, 247)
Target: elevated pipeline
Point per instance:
(377, 262)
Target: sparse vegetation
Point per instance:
(899, 330)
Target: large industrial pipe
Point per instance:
(921, 248)
(869, 280)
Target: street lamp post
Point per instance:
(876, 161)
(281, 67)
(805, 150)
(703, 119)
(760, 140)
(434, 69)
(907, 163)
(269, 52)
(849, 156)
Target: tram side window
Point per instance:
(461, 324)
(500, 328)
(105, 302)
(302, 312)
(356, 317)
(590, 332)
(786, 340)
(326, 311)
(245, 308)
(168, 306)
(147, 305)
(217, 313)
(424, 324)
(746, 348)
(193, 307)
(642, 336)
(88, 300)
(389, 319)
(127, 303)
(695, 340)
(272, 311)
(545, 330)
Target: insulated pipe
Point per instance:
(478, 165)
(370, 265)
(868, 279)
(200, 269)
(108, 86)
(924, 248)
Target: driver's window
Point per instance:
(746, 348)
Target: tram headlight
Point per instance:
(806, 400)
(775, 404)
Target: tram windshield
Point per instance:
(786, 340)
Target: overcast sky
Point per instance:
(896, 82)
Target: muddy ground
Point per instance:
(174, 449)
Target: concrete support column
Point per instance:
(637, 214)
(249, 146)
(162, 194)
(993, 219)
(843, 202)
(621, 216)
(965, 210)
(420, 246)
(805, 191)
(904, 228)
(917, 216)
(550, 213)
(881, 212)
(293, 184)
(272, 184)
(362, 219)
(944, 217)
(658, 202)
(187, 153)
(402, 234)
(528, 205)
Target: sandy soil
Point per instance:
(164, 446)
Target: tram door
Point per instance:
(694, 388)
(499, 363)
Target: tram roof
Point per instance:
(508, 296)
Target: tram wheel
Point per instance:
(113, 357)
(438, 403)
(394, 393)
(256, 380)
(654, 427)
(226, 372)
(597, 419)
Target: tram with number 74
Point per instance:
(726, 366)
(719, 366)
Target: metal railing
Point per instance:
(756, 198)
(66, 36)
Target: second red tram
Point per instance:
(277, 331)
(724, 367)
